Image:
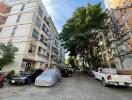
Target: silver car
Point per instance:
(48, 78)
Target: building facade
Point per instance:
(120, 34)
(28, 27)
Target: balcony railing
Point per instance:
(42, 55)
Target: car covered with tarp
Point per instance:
(48, 78)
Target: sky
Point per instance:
(61, 10)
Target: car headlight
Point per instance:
(13, 81)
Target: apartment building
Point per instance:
(120, 34)
(28, 26)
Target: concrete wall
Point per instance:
(22, 32)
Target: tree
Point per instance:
(7, 54)
(71, 61)
(80, 31)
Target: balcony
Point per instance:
(35, 34)
(42, 55)
(32, 49)
(46, 20)
(43, 40)
(40, 12)
(38, 23)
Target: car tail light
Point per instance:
(109, 77)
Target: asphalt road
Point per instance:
(78, 87)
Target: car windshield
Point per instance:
(21, 74)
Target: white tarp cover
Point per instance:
(48, 78)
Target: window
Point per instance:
(40, 12)
(0, 29)
(46, 65)
(38, 22)
(23, 6)
(35, 34)
(32, 48)
(56, 43)
(47, 55)
(55, 50)
(43, 28)
(39, 50)
(47, 31)
(46, 20)
(43, 40)
(42, 52)
(14, 30)
(18, 18)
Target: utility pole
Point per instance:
(50, 52)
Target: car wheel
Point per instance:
(28, 81)
(1, 84)
(104, 83)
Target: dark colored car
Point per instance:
(35, 74)
(65, 72)
(24, 78)
(21, 79)
(1, 80)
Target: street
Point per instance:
(78, 87)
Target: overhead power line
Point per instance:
(45, 4)
(40, 5)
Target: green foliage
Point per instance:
(71, 61)
(10, 74)
(96, 61)
(7, 54)
(80, 31)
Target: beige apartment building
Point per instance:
(27, 25)
(120, 43)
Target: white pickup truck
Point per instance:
(109, 76)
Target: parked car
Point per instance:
(48, 78)
(110, 77)
(1, 79)
(65, 72)
(36, 73)
(24, 78)
(21, 79)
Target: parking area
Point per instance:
(78, 87)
